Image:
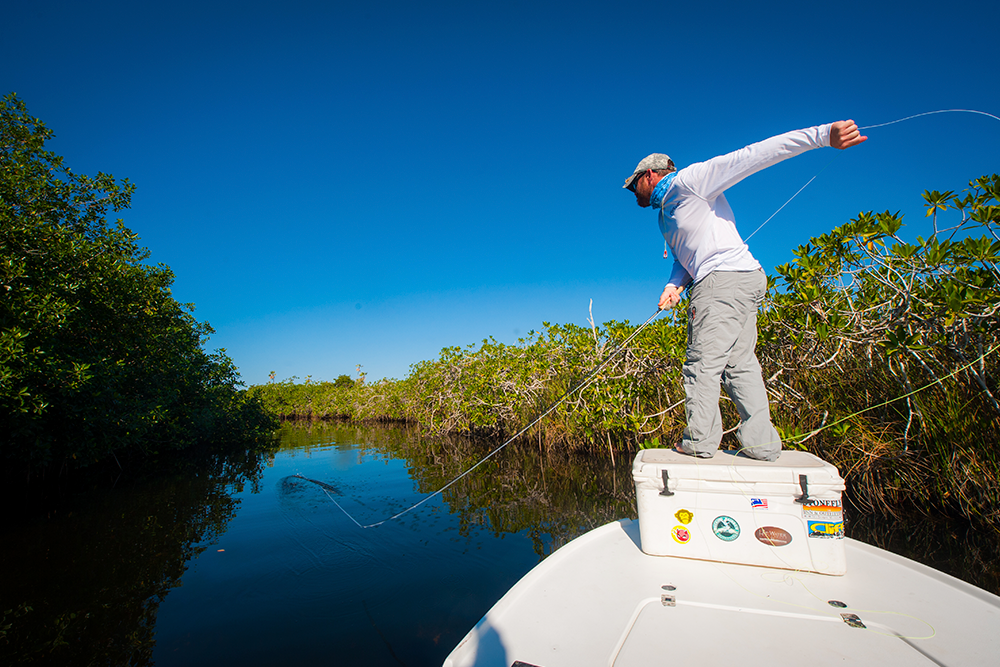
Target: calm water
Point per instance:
(244, 563)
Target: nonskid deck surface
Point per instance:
(601, 601)
(729, 459)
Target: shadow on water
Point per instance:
(83, 568)
(292, 486)
(86, 578)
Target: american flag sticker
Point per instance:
(758, 503)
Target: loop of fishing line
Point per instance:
(586, 381)
(939, 380)
(929, 113)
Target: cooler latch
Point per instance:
(804, 485)
(666, 484)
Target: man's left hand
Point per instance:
(671, 297)
(844, 134)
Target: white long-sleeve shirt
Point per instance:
(695, 218)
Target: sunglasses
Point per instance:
(635, 181)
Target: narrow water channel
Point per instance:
(247, 563)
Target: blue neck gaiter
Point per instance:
(656, 198)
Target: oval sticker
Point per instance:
(681, 534)
(773, 536)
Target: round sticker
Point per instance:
(773, 536)
(726, 528)
(684, 516)
(681, 535)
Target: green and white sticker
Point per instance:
(726, 528)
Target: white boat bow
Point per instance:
(600, 600)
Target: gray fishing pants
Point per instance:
(722, 334)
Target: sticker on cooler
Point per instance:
(823, 529)
(773, 536)
(681, 534)
(726, 528)
(831, 511)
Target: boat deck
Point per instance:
(600, 600)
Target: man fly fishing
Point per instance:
(728, 283)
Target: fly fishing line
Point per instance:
(867, 127)
(590, 376)
(569, 392)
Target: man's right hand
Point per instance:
(671, 297)
(844, 134)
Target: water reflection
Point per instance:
(273, 572)
(550, 496)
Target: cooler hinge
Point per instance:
(804, 484)
(666, 484)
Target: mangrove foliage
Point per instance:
(98, 361)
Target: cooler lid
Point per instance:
(725, 466)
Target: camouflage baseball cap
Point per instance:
(654, 161)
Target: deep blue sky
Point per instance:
(365, 183)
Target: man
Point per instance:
(729, 284)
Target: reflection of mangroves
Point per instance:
(84, 581)
(556, 495)
(553, 494)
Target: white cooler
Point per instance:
(786, 514)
